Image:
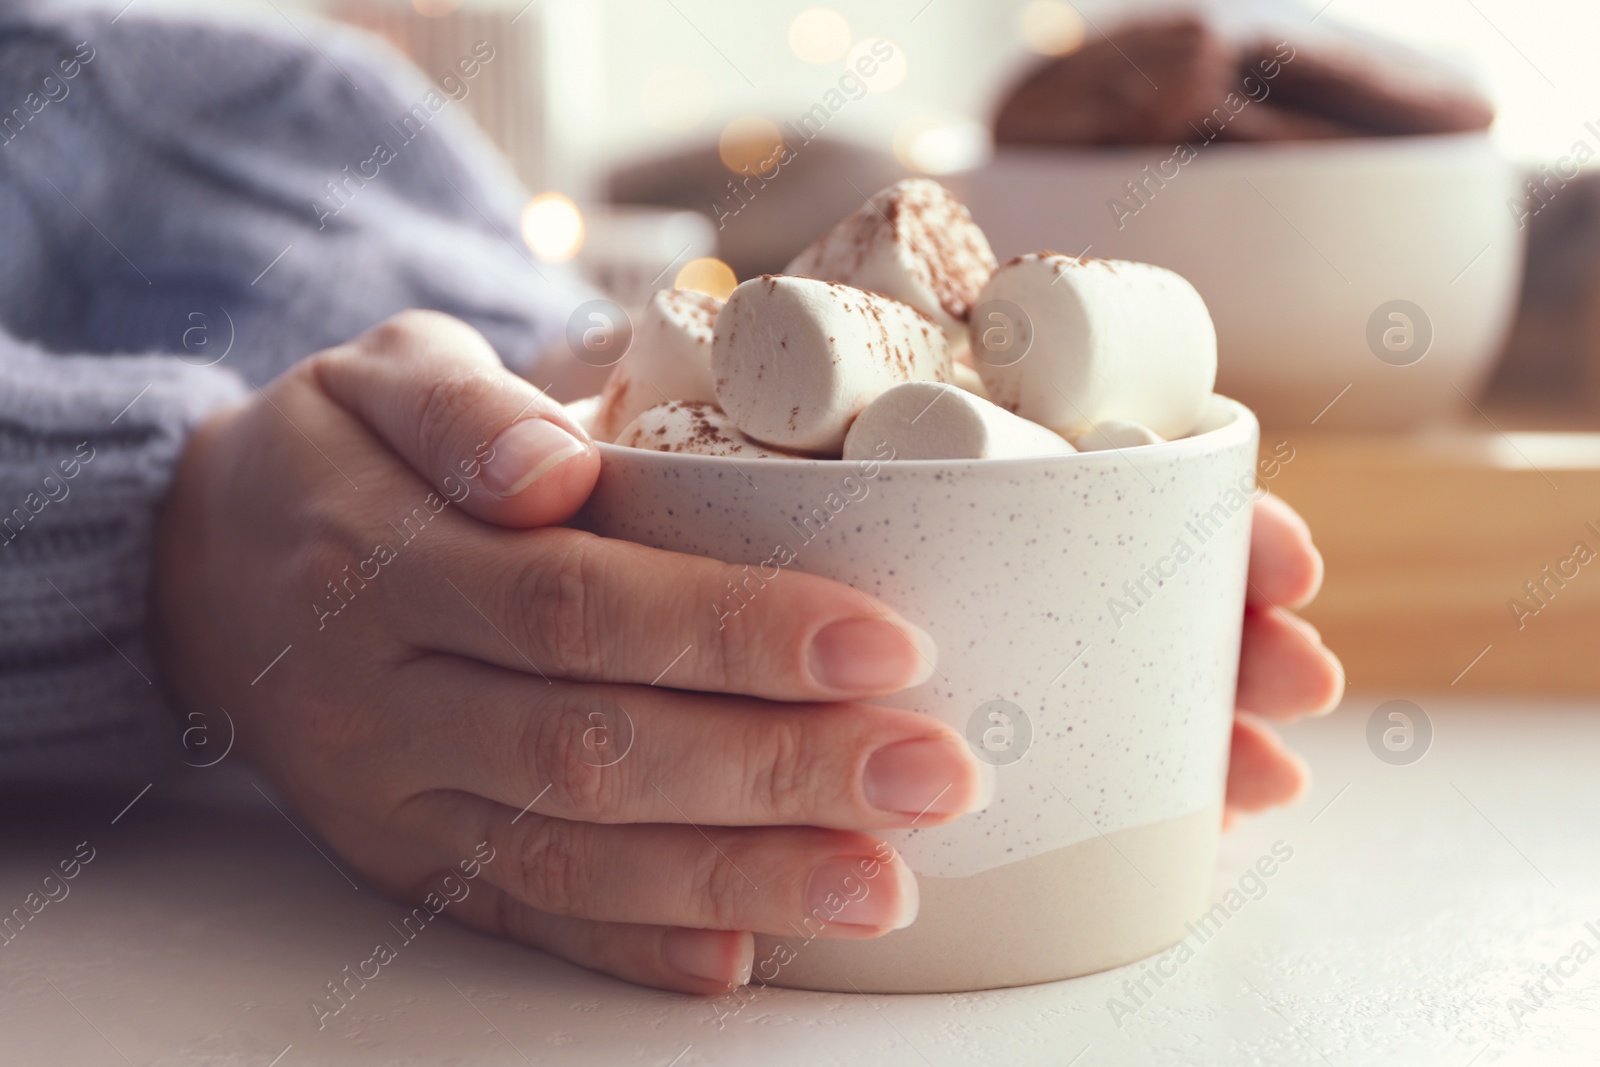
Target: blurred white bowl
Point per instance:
(1300, 251)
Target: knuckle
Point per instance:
(784, 773)
(398, 333)
(549, 870)
(415, 327)
(556, 598)
(322, 733)
(718, 888)
(331, 563)
(334, 359)
(450, 403)
(333, 738)
(733, 641)
(556, 742)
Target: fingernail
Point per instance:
(526, 452)
(712, 955)
(1314, 638)
(871, 655)
(1311, 633)
(1336, 694)
(841, 891)
(988, 785)
(918, 778)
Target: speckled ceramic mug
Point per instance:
(1087, 610)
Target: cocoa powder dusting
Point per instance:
(947, 250)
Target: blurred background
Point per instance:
(1409, 311)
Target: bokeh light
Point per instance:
(890, 73)
(553, 227)
(941, 145)
(820, 35)
(750, 141)
(676, 98)
(1051, 27)
(710, 276)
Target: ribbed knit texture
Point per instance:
(161, 252)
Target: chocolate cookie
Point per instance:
(1177, 80)
(1144, 84)
(1380, 94)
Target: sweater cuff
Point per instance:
(88, 445)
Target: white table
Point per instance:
(1418, 901)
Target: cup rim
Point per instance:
(1238, 424)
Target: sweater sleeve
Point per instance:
(87, 447)
(217, 162)
(172, 186)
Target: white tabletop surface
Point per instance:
(1418, 901)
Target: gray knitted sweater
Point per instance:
(169, 238)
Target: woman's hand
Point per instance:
(361, 566)
(351, 566)
(1285, 671)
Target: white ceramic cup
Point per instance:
(1087, 610)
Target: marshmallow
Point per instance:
(968, 379)
(693, 426)
(1097, 339)
(583, 413)
(1115, 433)
(928, 420)
(913, 242)
(669, 359)
(795, 360)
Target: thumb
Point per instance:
(434, 390)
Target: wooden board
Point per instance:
(1429, 539)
